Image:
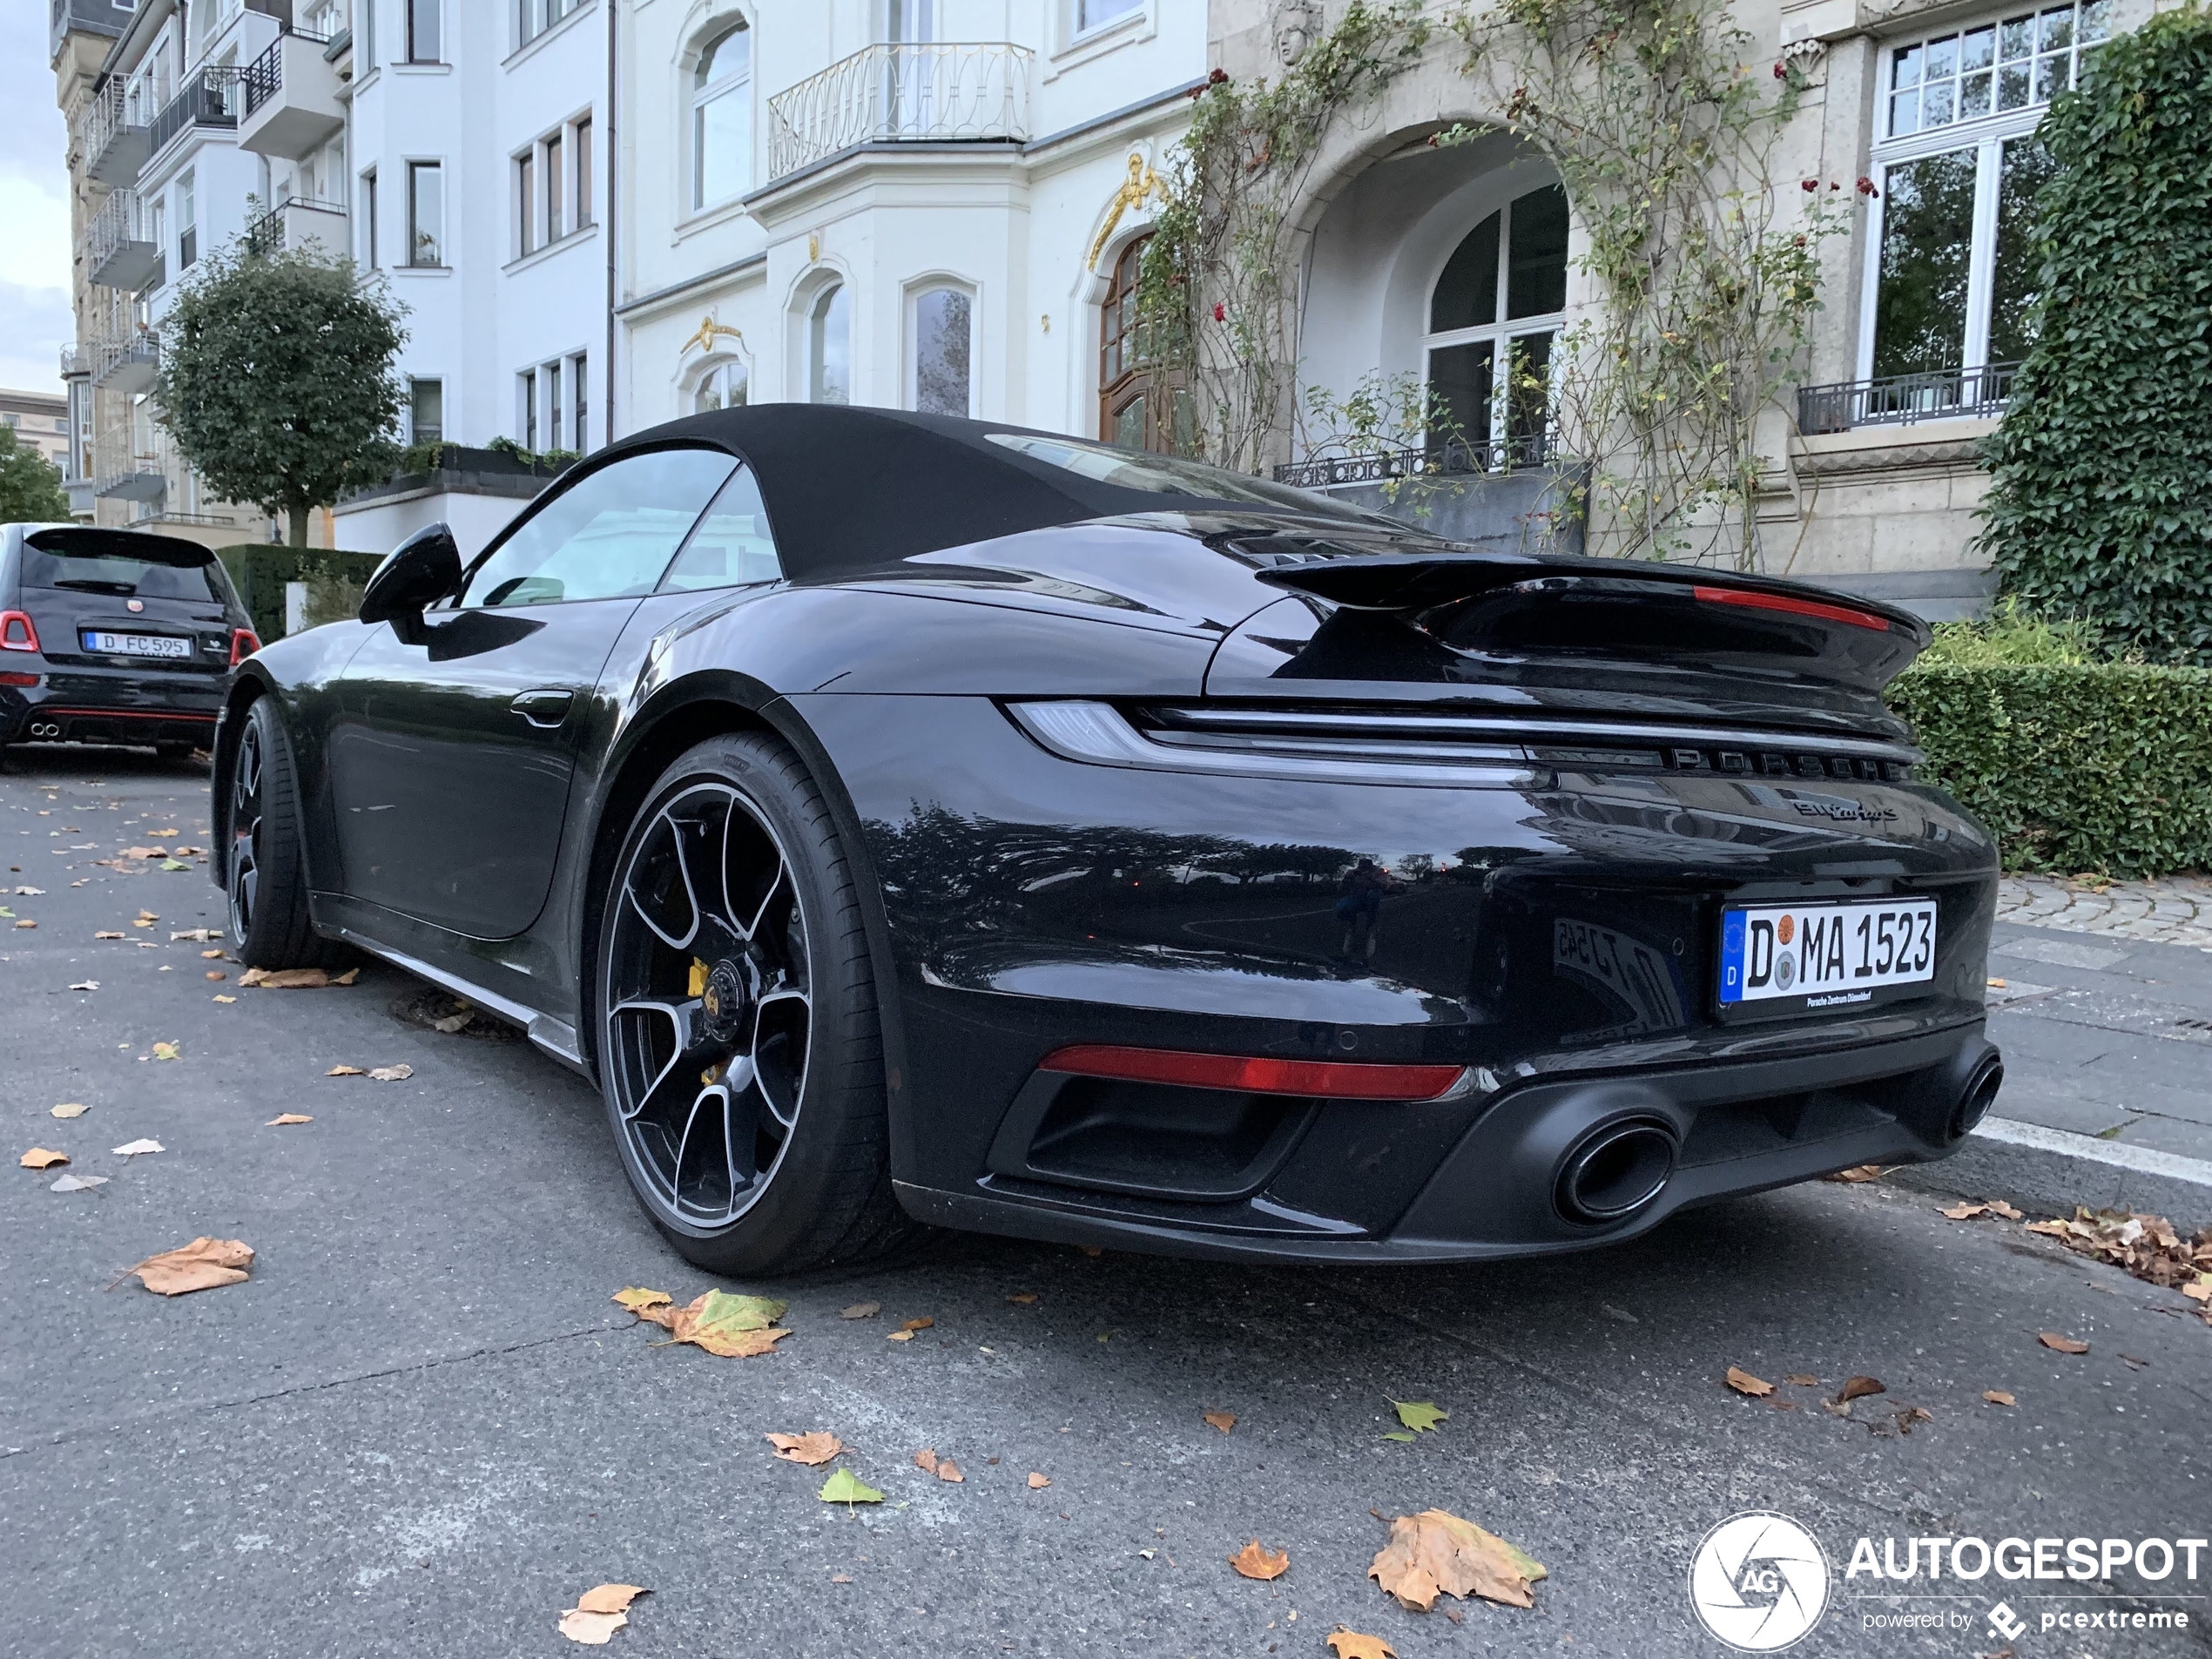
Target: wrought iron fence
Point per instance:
(263, 78)
(276, 230)
(210, 98)
(901, 91)
(1902, 400)
(1425, 461)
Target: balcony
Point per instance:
(76, 363)
(902, 93)
(111, 133)
(116, 252)
(1446, 460)
(210, 98)
(127, 361)
(291, 97)
(1906, 400)
(296, 222)
(127, 471)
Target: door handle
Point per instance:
(547, 708)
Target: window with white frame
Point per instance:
(1952, 269)
(722, 118)
(583, 148)
(425, 214)
(425, 31)
(370, 254)
(426, 405)
(1494, 313)
(526, 408)
(724, 386)
(941, 382)
(829, 346)
(579, 379)
(1097, 14)
(187, 221)
(526, 201)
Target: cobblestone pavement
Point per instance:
(2174, 911)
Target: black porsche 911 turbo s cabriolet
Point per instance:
(912, 819)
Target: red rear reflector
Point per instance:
(244, 643)
(1796, 607)
(18, 632)
(18, 679)
(1253, 1075)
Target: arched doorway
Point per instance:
(1141, 406)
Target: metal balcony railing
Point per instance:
(126, 361)
(76, 361)
(263, 78)
(1454, 459)
(116, 249)
(129, 464)
(287, 225)
(1903, 400)
(112, 134)
(210, 98)
(900, 92)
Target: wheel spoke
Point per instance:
(682, 1020)
(708, 1111)
(657, 884)
(741, 1136)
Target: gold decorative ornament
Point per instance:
(1142, 184)
(708, 331)
(813, 246)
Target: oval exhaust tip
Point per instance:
(1976, 1098)
(1615, 1170)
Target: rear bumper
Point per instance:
(107, 705)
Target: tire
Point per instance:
(264, 871)
(740, 1054)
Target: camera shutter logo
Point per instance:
(1759, 1582)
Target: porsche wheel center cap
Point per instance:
(728, 997)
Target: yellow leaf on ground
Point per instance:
(819, 1446)
(843, 1486)
(165, 1051)
(1419, 1415)
(922, 1324)
(1223, 1420)
(70, 1108)
(1350, 1644)
(1861, 1172)
(348, 977)
(2064, 1345)
(167, 832)
(2053, 1228)
(1967, 1212)
(637, 1300)
(42, 1157)
(609, 1598)
(1998, 1396)
(1039, 1482)
(1255, 1561)
(26, 923)
(592, 1629)
(343, 1071)
(287, 1117)
(1744, 1383)
(899, 1336)
(212, 955)
(201, 1266)
(735, 1327)
(287, 979)
(1437, 1552)
(108, 933)
(219, 997)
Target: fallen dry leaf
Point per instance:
(398, 1073)
(2064, 1345)
(133, 1148)
(1911, 1415)
(598, 1613)
(165, 1051)
(1744, 1383)
(78, 1183)
(343, 1071)
(159, 833)
(287, 1117)
(862, 1310)
(899, 1336)
(1784, 1404)
(287, 979)
(843, 1486)
(1022, 1297)
(922, 1324)
(819, 1446)
(1437, 1552)
(1223, 1420)
(69, 1108)
(1858, 1388)
(26, 923)
(1992, 1207)
(840, 1578)
(609, 1598)
(926, 1460)
(348, 977)
(735, 1327)
(1419, 1415)
(1254, 1561)
(1039, 1482)
(1350, 1644)
(219, 997)
(42, 1157)
(201, 934)
(1998, 1396)
(212, 955)
(217, 972)
(201, 1266)
(948, 1470)
(1801, 1379)
(1860, 1172)
(637, 1300)
(108, 933)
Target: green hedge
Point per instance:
(260, 569)
(2103, 766)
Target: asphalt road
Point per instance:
(421, 1427)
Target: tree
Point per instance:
(2099, 506)
(31, 491)
(277, 382)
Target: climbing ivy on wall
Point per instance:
(2100, 506)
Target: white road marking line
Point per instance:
(2142, 1159)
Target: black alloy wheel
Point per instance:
(739, 1046)
(264, 871)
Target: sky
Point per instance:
(34, 319)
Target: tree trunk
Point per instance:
(296, 514)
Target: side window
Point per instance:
(731, 546)
(608, 538)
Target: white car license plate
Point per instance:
(136, 644)
(1830, 955)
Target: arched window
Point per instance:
(942, 338)
(1140, 406)
(722, 118)
(723, 386)
(829, 346)
(1489, 362)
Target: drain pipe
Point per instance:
(609, 148)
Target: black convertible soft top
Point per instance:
(850, 489)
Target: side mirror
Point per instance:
(419, 572)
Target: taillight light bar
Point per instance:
(18, 631)
(244, 643)
(1754, 600)
(1255, 1074)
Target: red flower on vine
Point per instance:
(1866, 188)
(1781, 71)
(1220, 311)
(1809, 184)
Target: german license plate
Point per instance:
(136, 644)
(1826, 955)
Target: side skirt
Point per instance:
(555, 1037)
